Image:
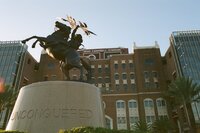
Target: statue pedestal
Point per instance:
(47, 107)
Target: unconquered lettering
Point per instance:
(52, 113)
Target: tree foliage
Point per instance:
(7, 97)
(184, 89)
(142, 127)
(162, 125)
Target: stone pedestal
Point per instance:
(47, 107)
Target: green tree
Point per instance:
(184, 91)
(142, 127)
(162, 125)
(7, 100)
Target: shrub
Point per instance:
(93, 130)
(3, 131)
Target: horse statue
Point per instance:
(60, 47)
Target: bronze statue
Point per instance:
(63, 47)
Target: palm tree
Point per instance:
(162, 125)
(7, 100)
(184, 91)
(142, 127)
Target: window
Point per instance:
(150, 119)
(131, 65)
(121, 120)
(174, 75)
(92, 57)
(120, 104)
(133, 119)
(92, 66)
(92, 80)
(53, 77)
(29, 61)
(107, 79)
(107, 69)
(132, 104)
(132, 76)
(148, 103)
(146, 74)
(124, 76)
(163, 117)
(123, 66)
(36, 66)
(117, 86)
(100, 70)
(116, 66)
(147, 85)
(92, 70)
(46, 77)
(148, 62)
(160, 102)
(170, 54)
(133, 87)
(116, 76)
(50, 65)
(125, 87)
(109, 122)
(155, 74)
(100, 80)
(25, 81)
(156, 85)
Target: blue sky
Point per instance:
(117, 23)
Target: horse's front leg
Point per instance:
(86, 65)
(33, 45)
(81, 73)
(41, 44)
(25, 40)
(65, 70)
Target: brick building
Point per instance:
(131, 84)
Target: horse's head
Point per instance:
(63, 27)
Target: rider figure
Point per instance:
(61, 37)
(76, 39)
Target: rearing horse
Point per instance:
(58, 47)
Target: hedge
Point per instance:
(93, 130)
(82, 130)
(2, 131)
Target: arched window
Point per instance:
(132, 75)
(149, 110)
(120, 104)
(161, 108)
(133, 113)
(121, 114)
(124, 76)
(92, 57)
(116, 76)
(160, 102)
(132, 104)
(148, 103)
(109, 122)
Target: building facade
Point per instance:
(183, 59)
(186, 46)
(131, 84)
(15, 69)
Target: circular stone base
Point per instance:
(47, 107)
